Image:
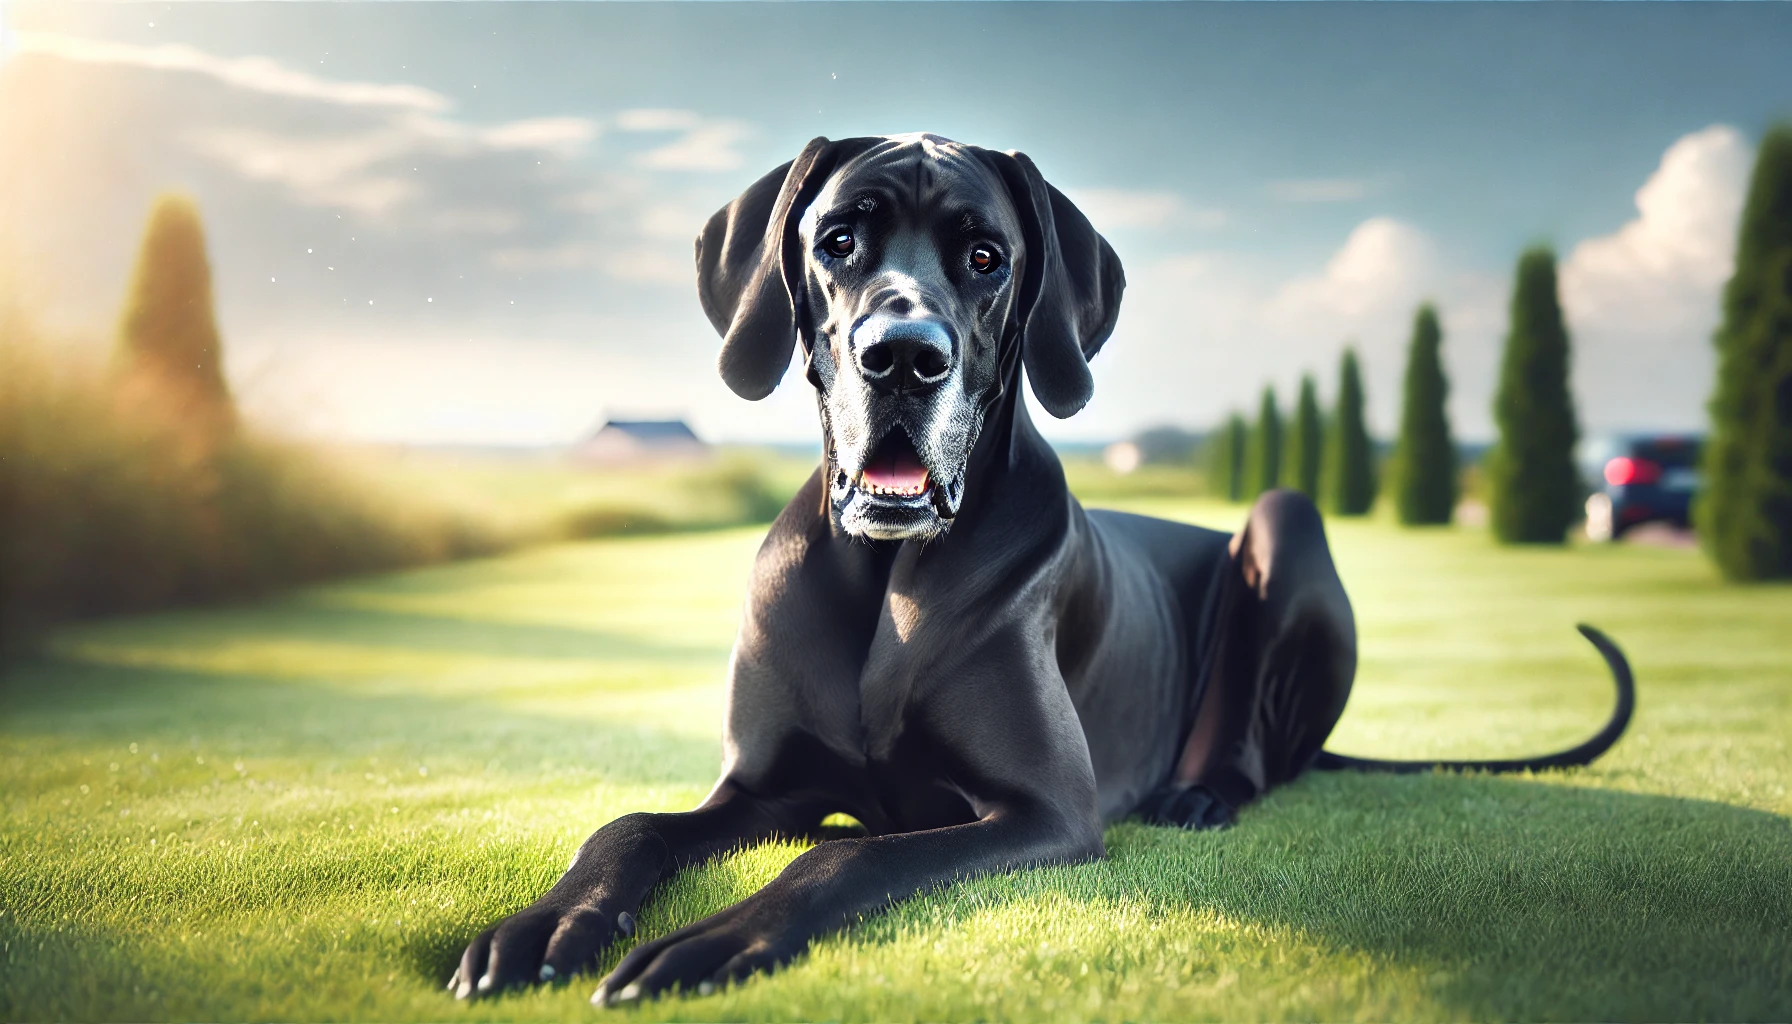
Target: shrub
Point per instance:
(108, 512)
(1422, 476)
(1348, 477)
(1226, 449)
(1306, 442)
(1745, 515)
(1534, 490)
(169, 358)
(1265, 458)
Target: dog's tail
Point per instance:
(1598, 744)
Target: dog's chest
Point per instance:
(912, 790)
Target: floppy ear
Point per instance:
(1070, 296)
(749, 267)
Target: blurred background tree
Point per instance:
(1533, 488)
(1348, 476)
(1306, 442)
(1745, 513)
(1265, 458)
(1226, 455)
(169, 356)
(1422, 476)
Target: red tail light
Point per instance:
(1623, 471)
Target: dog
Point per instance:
(938, 640)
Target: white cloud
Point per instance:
(259, 74)
(374, 169)
(1318, 190)
(1111, 209)
(703, 144)
(1384, 264)
(1668, 264)
(339, 172)
(658, 120)
(707, 147)
(549, 133)
(369, 164)
(1643, 300)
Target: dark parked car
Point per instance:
(1641, 478)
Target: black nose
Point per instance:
(897, 354)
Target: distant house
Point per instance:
(620, 442)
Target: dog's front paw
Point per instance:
(540, 944)
(699, 958)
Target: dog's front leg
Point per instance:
(834, 884)
(594, 902)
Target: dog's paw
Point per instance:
(540, 944)
(1186, 807)
(700, 958)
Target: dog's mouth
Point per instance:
(895, 495)
(894, 469)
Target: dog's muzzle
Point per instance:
(901, 475)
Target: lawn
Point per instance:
(302, 809)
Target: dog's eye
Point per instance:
(984, 259)
(839, 244)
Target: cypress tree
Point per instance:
(1266, 446)
(1744, 516)
(168, 347)
(1348, 479)
(1423, 477)
(1534, 490)
(1226, 455)
(1306, 442)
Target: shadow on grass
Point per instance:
(318, 621)
(1516, 898)
(1498, 897)
(1533, 899)
(334, 724)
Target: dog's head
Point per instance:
(915, 271)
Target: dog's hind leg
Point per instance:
(1280, 657)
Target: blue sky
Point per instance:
(498, 200)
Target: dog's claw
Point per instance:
(486, 983)
(547, 972)
(706, 988)
(625, 923)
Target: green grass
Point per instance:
(302, 809)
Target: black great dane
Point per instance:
(939, 640)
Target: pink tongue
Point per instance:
(901, 471)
